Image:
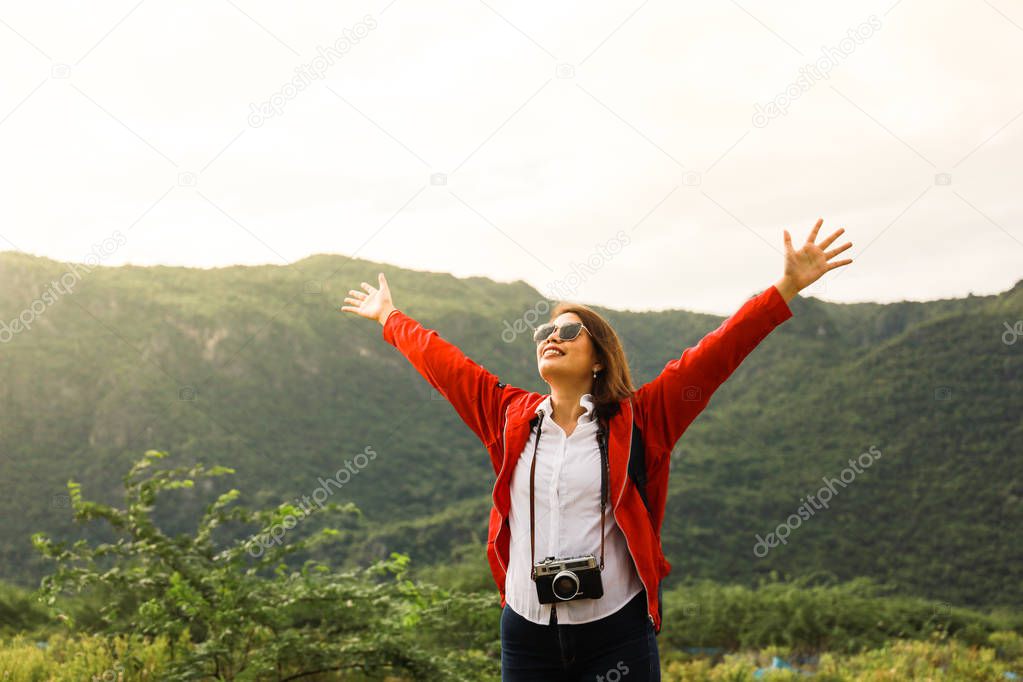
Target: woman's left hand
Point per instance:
(805, 266)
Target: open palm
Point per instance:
(805, 266)
(372, 304)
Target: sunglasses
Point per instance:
(566, 332)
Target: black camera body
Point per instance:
(566, 579)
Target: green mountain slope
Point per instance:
(253, 368)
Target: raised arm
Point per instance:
(477, 395)
(671, 401)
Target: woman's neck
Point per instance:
(565, 406)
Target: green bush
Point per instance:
(20, 612)
(896, 661)
(1008, 645)
(229, 613)
(840, 617)
(89, 657)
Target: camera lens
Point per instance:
(565, 585)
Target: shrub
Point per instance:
(232, 614)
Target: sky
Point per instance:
(641, 155)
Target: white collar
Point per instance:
(586, 400)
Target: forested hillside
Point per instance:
(254, 368)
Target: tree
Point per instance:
(236, 610)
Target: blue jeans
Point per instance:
(619, 647)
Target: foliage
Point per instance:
(98, 659)
(19, 612)
(809, 618)
(897, 661)
(229, 613)
(74, 658)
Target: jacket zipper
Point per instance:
(504, 461)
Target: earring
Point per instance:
(594, 374)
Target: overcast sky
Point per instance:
(667, 144)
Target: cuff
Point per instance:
(777, 305)
(388, 332)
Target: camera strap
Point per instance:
(602, 442)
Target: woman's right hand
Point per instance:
(374, 303)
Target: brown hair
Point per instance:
(613, 382)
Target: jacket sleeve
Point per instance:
(672, 400)
(478, 397)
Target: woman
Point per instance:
(594, 448)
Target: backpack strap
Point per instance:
(637, 464)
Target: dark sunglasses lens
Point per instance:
(570, 331)
(543, 332)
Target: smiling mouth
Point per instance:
(552, 353)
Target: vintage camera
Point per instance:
(566, 579)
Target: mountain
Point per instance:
(254, 368)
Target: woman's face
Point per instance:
(577, 358)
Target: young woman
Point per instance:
(582, 473)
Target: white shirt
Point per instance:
(567, 508)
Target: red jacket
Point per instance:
(644, 430)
